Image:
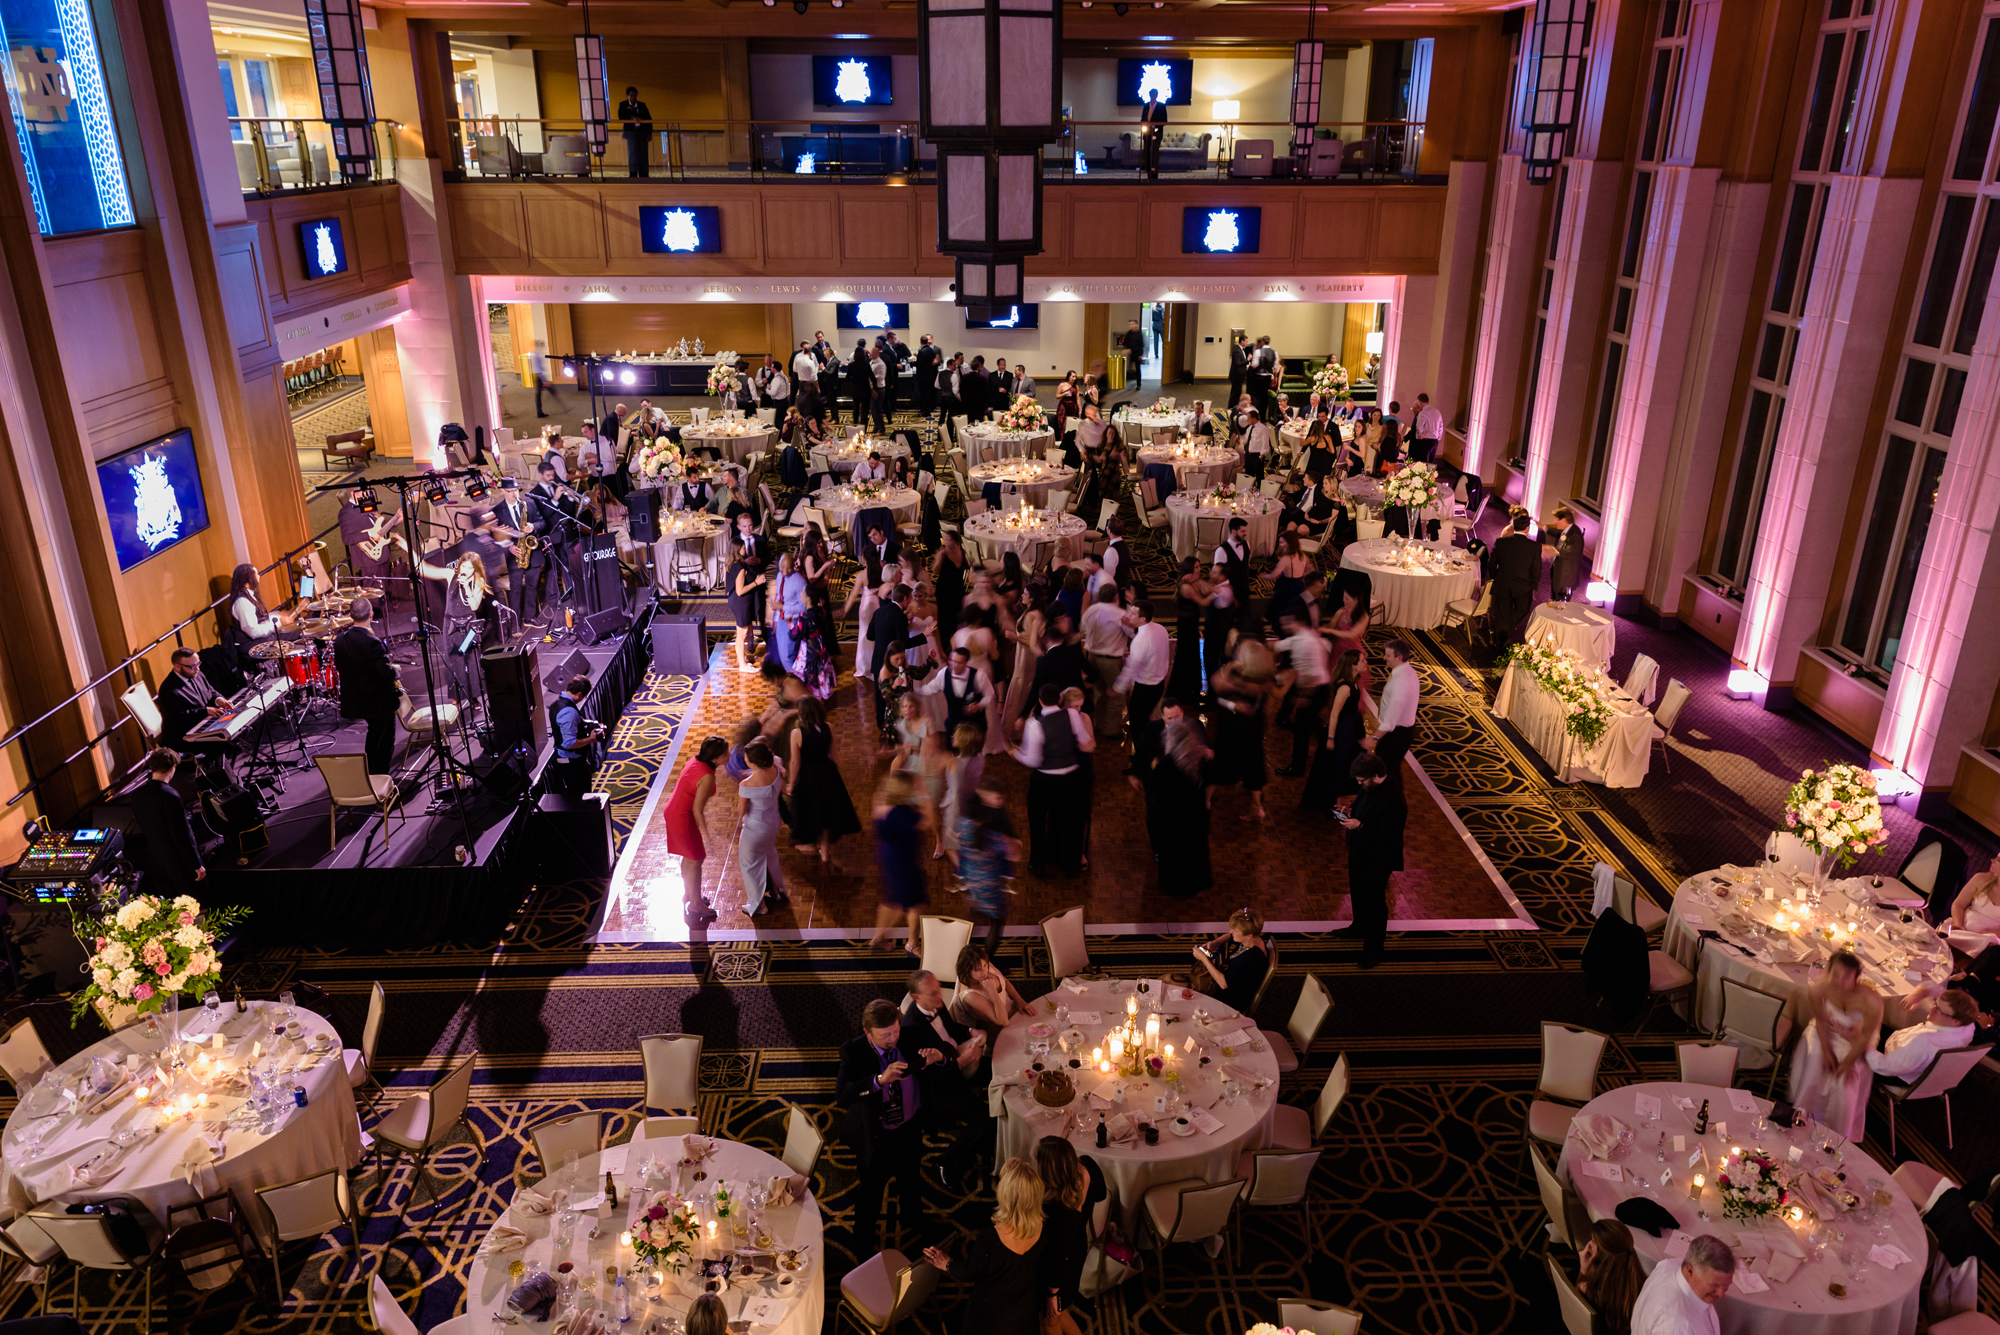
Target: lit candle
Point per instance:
(1170, 1052)
(625, 1238)
(201, 1099)
(1695, 1189)
(1131, 1005)
(1852, 928)
(1117, 1047)
(142, 1093)
(1152, 1033)
(215, 1041)
(1796, 1214)
(1104, 1068)
(1097, 1056)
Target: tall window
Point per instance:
(1825, 137)
(1958, 271)
(63, 120)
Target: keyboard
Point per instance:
(246, 707)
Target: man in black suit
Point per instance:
(1566, 571)
(888, 628)
(1517, 572)
(187, 699)
(1134, 344)
(1153, 133)
(928, 357)
(368, 686)
(954, 1089)
(879, 1087)
(1374, 828)
(975, 390)
(173, 859)
(1239, 366)
(1003, 384)
(527, 572)
(636, 125)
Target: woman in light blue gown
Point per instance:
(757, 840)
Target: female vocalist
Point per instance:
(471, 620)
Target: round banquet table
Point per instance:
(1151, 426)
(1218, 461)
(1362, 488)
(691, 532)
(1134, 1167)
(1895, 956)
(842, 458)
(1032, 478)
(1414, 599)
(1259, 510)
(843, 507)
(735, 447)
(1006, 444)
(992, 531)
(1879, 1301)
(317, 1138)
(1578, 627)
(795, 1225)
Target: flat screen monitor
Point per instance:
(325, 250)
(680, 229)
(1139, 76)
(871, 315)
(153, 497)
(851, 81)
(1216, 230)
(1001, 317)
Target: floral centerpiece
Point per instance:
(1415, 486)
(1835, 811)
(1224, 493)
(148, 950)
(1162, 406)
(656, 459)
(1586, 711)
(1750, 1185)
(869, 490)
(1266, 1328)
(1023, 415)
(664, 1236)
(722, 375)
(1330, 382)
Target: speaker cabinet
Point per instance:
(642, 510)
(514, 697)
(575, 838)
(680, 645)
(600, 626)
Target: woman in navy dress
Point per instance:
(899, 833)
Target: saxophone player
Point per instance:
(527, 563)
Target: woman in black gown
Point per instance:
(1072, 1186)
(747, 582)
(1001, 1261)
(1177, 809)
(821, 809)
(1329, 779)
(1242, 687)
(948, 580)
(1185, 681)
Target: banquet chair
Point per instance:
(1666, 979)
(1150, 513)
(1635, 908)
(1789, 853)
(89, 1243)
(1053, 456)
(1069, 948)
(211, 1247)
(1468, 611)
(1707, 1063)
(1314, 1003)
(1149, 493)
(1755, 1024)
(1311, 1318)
(1570, 1057)
(1294, 1128)
(417, 1127)
(391, 1319)
(1189, 1210)
(803, 1141)
(23, 1057)
(1920, 1182)
(1272, 1177)
(360, 1062)
(1568, 1220)
(673, 1071)
(959, 426)
(1579, 1317)
(885, 1290)
(1668, 714)
(1040, 555)
(578, 1135)
(942, 939)
(1193, 481)
(1966, 1323)
(1942, 1076)
(23, 1239)
(1639, 681)
(309, 1207)
(835, 544)
(1207, 535)
(1364, 529)
(659, 1128)
(349, 784)
(1057, 501)
(944, 499)
(1106, 511)
(1270, 972)
(421, 725)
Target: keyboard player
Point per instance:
(187, 700)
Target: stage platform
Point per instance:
(1292, 869)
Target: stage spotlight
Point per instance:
(368, 503)
(434, 491)
(837, 4)
(475, 487)
(569, 370)
(628, 377)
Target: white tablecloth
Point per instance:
(1578, 627)
(1363, 488)
(1415, 599)
(1005, 445)
(1140, 427)
(1618, 760)
(734, 448)
(1878, 1301)
(843, 458)
(796, 1225)
(1218, 461)
(1724, 899)
(842, 508)
(1131, 1169)
(991, 532)
(321, 1136)
(1034, 479)
(1259, 511)
(680, 533)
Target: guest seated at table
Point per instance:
(1608, 1274)
(985, 999)
(1680, 1299)
(1203, 424)
(1947, 1023)
(708, 1316)
(955, 1089)
(1237, 960)
(1391, 449)
(1310, 511)
(1976, 911)
(1072, 1185)
(899, 472)
(871, 469)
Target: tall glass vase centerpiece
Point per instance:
(1835, 812)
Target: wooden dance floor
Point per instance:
(1293, 868)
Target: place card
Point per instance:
(611, 1159)
(1204, 1121)
(763, 1311)
(588, 1203)
(1677, 1245)
(1749, 1281)
(1694, 919)
(1795, 1154)
(1700, 1156)
(1646, 1106)
(1086, 1017)
(1743, 1101)
(1608, 1171)
(1682, 1101)
(1680, 1144)
(1722, 1130)
(1888, 1256)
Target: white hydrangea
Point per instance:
(187, 904)
(122, 985)
(101, 977)
(117, 955)
(190, 936)
(129, 916)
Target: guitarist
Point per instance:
(528, 568)
(368, 536)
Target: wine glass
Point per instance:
(285, 1002)
(211, 1003)
(1231, 1091)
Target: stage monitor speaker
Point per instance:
(501, 774)
(601, 626)
(603, 577)
(514, 699)
(575, 838)
(642, 513)
(680, 645)
(572, 666)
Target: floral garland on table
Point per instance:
(867, 491)
(148, 950)
(722, 375)
(1415, 486)
(1836, 810)
(1586, 713)
(664, 1236)
(1750, 1185)
(655, 458)
(1023, 415)
(1330, 382)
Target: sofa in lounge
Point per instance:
(1180, 151)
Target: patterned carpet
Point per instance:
(1423, 1212)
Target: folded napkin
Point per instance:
(1888, 1256)
(1822, 1200)
(95, 1168)
(503, 1239)
(1783, 1266)
(1647, 1213)
(788, 1187)
(535, 1296)
(203, 1151)
(124, 1085)
(1783, 1245)
(528, 1201)
(1597, 1132)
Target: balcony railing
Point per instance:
(297, 154)
(512, 148)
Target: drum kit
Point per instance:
(308, 661)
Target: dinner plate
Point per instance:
(1041, 1030)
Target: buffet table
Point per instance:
(1578, 627)
(1413, 581)
(1032, 478)
(1005, 444)
(1258, 510)
(1619, 759)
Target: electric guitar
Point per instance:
(379, 538)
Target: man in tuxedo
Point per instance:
(889, 627)
(187, 700)
(1374, 828)
(1239, 366)
(636, 125)
(1153, 133)
(967, 691)
(975, 390)
(928, 358)
(1232, 558)
(881, 550)
(954, 1090)
(879, 1087)
(526, 571)
(1003, 385)
(368, 685)
(1263, 363)
(607, 430)
(1566, 571)
(545, 503)
(1517, 572)
(173, 858)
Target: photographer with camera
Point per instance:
(577, 739)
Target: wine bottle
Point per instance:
(1701, 1119)
(610, 1190)
(1103, 1133)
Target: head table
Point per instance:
(55, 1149)
(1229, 1053)
(1414, 581)
(1618, 759)
(790, 1303)
(1578, 627)
(1848, 1249)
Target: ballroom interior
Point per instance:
(1685, 297)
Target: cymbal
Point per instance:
(340, 623)
(267, 649)
(319, 546)
(315, 626)
(364, 591)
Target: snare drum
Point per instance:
(300, 663)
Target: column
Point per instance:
(437, 335)
(1504, 311)
(1430, 340)
(1585, 246)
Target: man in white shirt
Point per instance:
(805, 366)
(1427, 431)
(1142, 680)
(878, 402)
(1053, 742)
(1680, 1299)
(1256, 445)
(1949, 1023)
(871, 469)
(1232, 563)
(1397, 710)
(599, 456)
(1310, 673)
(966, 690)
(1107, 638)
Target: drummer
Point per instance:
(246, 620)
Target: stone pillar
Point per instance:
(438, 341)
(1429, 340)
(1512, 251)
(1585, 249)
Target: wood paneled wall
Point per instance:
(613, 326)
(811, 229)
(263, 263)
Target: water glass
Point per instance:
(285, 1002)
(211, 1003)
